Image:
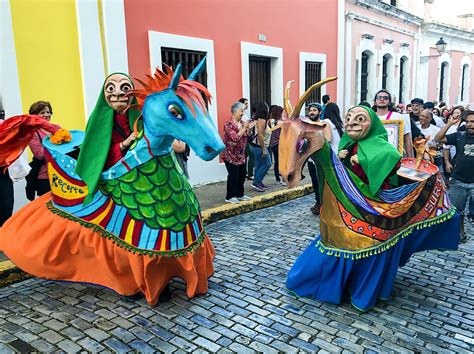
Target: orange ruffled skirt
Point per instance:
(50, 246)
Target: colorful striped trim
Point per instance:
(382, 247)
(348, 187)
(397, 194)
(123, 244)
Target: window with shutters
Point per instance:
(260, 80)
(364, 76)
(189, 59)
(386, 57)
(442, 82)
(312, 76)
(403, 78)
(464, 97)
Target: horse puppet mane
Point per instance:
(188, 90)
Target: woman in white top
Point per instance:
(333, 118)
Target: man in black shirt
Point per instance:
(462, 178)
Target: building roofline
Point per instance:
(448, 30)
(390, 10)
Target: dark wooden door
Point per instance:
(260, 80)
(189, 59)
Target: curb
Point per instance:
(212, 215)
(9, 273)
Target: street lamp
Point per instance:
(440, 47)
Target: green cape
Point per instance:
(376, 155)
(96, 144)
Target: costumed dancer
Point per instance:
(123, 215)
(366, 230)
(364, 148)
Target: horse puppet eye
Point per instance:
(175, 111)
(302, 146)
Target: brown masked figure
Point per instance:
(364, 148)
(366, 231)
(109, 130)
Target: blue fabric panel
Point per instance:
(322, 277)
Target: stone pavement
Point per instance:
(247, 307)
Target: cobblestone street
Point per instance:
(247, 307)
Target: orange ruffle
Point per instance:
(52, 247)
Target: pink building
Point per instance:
(253, 48)
(447, 77)
(391, 44)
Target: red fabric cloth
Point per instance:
(359, 172)
(120, 132)
(234, 144)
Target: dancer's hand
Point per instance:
(343, 154)
(354, 159)
(127, 142)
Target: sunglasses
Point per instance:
(382, 97)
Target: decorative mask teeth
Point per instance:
(302, 146)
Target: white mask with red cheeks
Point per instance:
(357, 123)
(115, 89)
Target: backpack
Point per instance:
(253, 134)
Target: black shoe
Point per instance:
(134, 297)
(165, 295)
(315, 209)
(463, 238)
(250, 178)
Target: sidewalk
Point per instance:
(211, 198)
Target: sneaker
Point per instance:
(257, 188)
(263, 186)
(244, 198)
(282, 183)
(250, 178)
(232, 200)
(315, 209)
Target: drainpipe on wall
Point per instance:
(348, 63)
(341, 54)
(415, 89)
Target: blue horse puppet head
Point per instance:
(174, 108)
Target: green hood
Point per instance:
(96, 144)
(376, 155)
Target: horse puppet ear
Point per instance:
(198, 69)
(176, 76)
